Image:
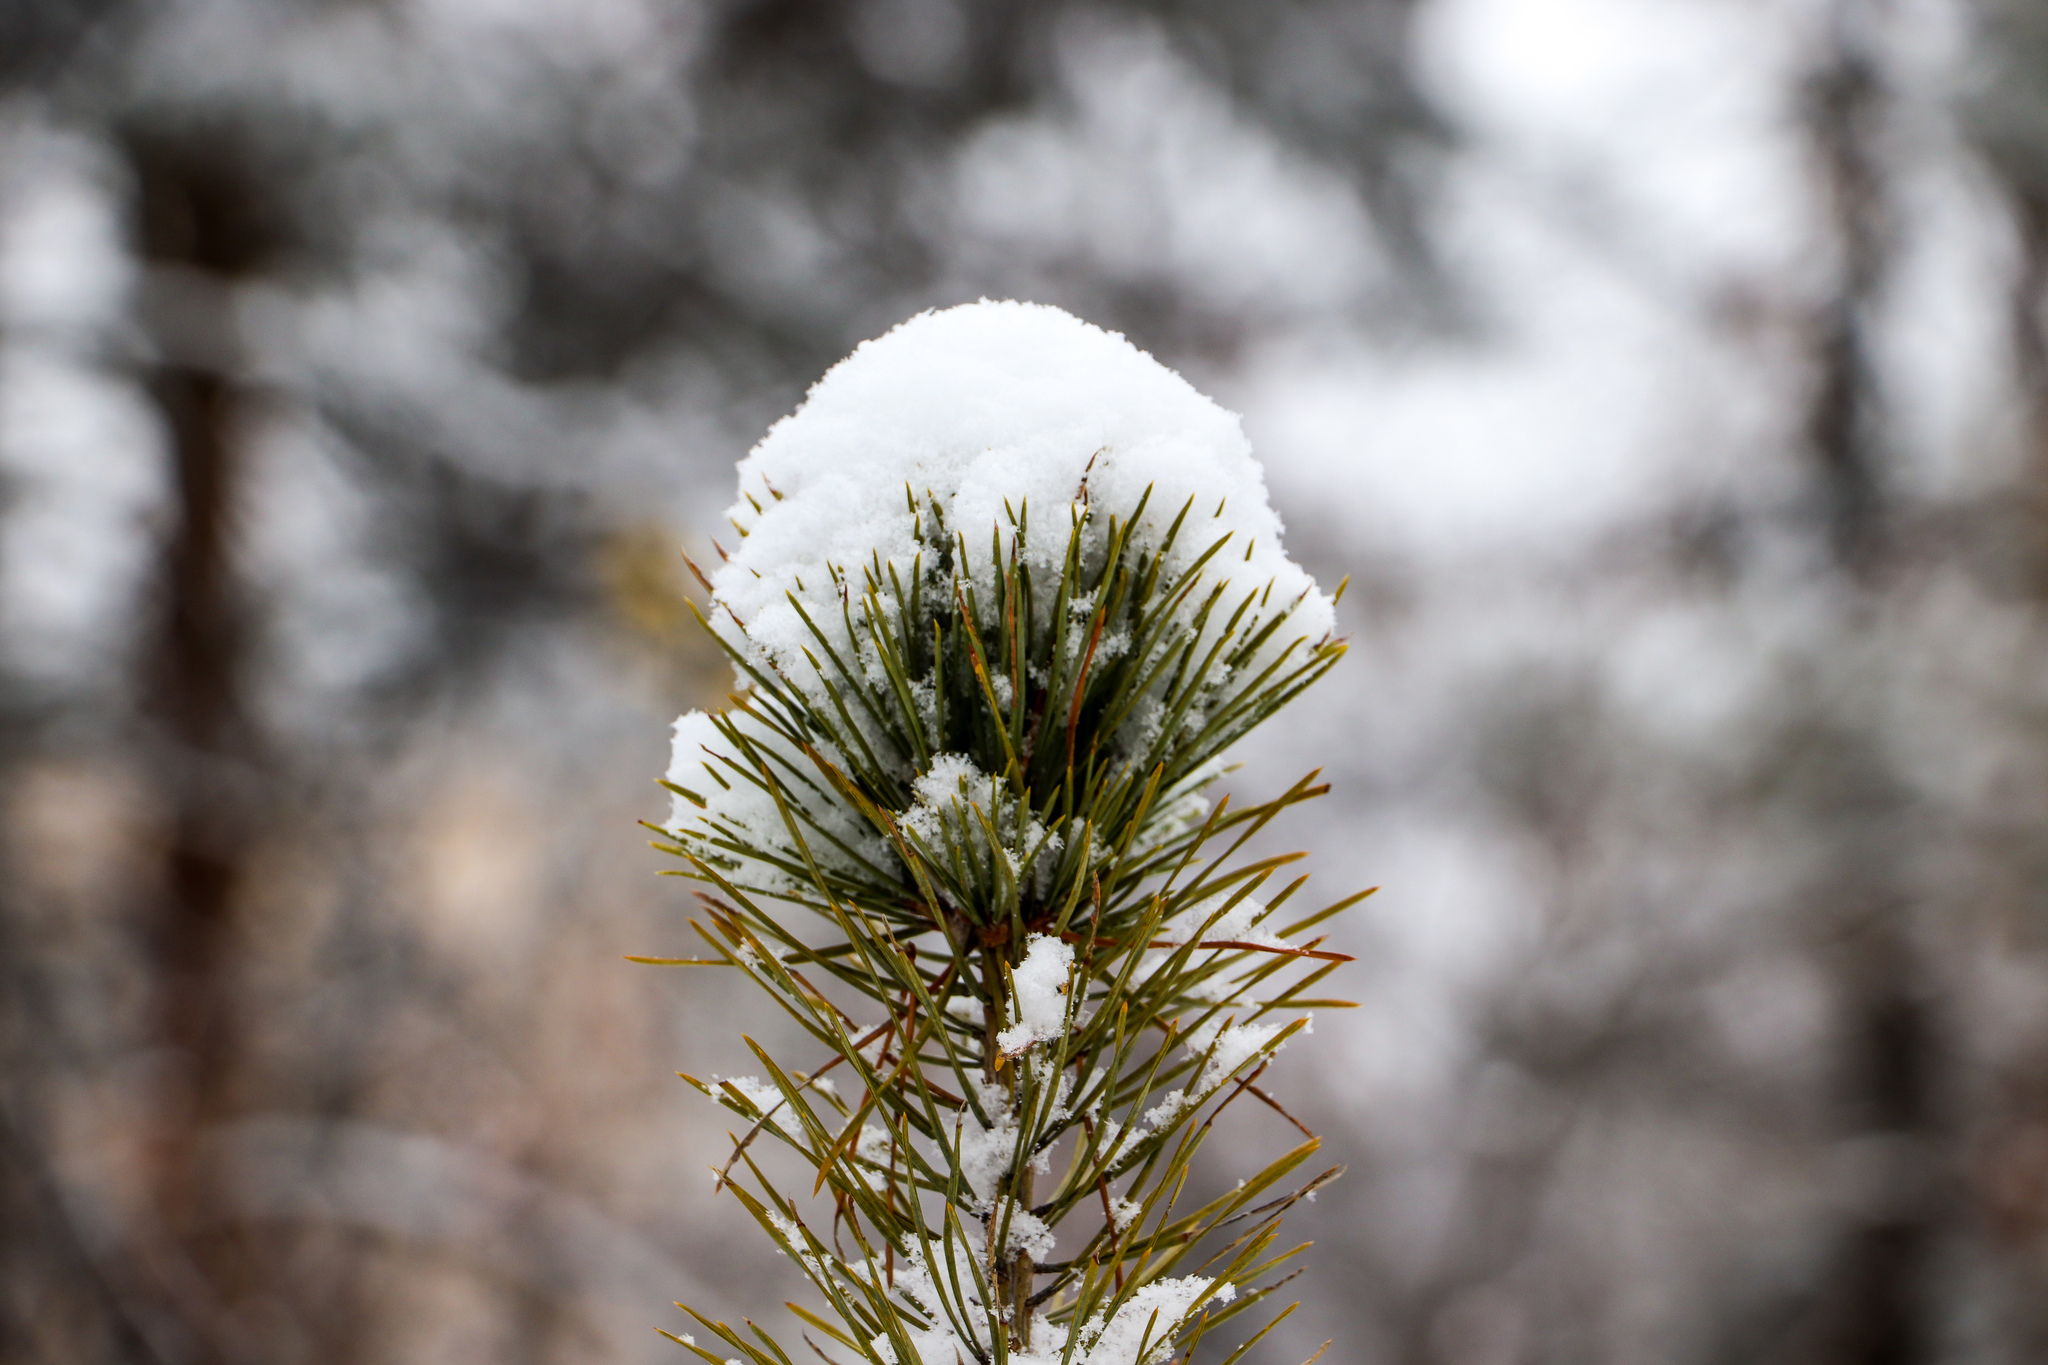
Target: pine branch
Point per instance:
(987, 777)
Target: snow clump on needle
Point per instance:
(989, 411)
(1040, 1006)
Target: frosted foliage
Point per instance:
(1234, 1044)
(946, 797)
(873, 1145)
(692, 761)
(1040, 1006)
(1028, 1233)
(986, 1153)
(938, 1344)
(705, 762)
(1134, 1328)
(988, 407)
(1238, 924)
(1170, 1107)
(952, 780)
(951, 776)
(758, 1092)
(1184, 806)
(1202, 922)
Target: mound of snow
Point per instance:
(989, 409)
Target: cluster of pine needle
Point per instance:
(1092, 694)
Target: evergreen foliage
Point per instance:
(1033, 939)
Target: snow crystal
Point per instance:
(951, 780)
(1167, 1110)
(1235, 1044)
(938, 1344)
(914, 1282)
(1202, 922)
(1029, 1234)
(1124, 1212)
(759, 1093)
(799, 1246)
(1210, 990)
(736, 809)
(989, 408)
(1040, 1006)
(1061, 1108)
(1118, 1341)
(1238, 924)
(1109, 1134)
(939, 812)
(872, 1145)
(700, 762)
(987, 1152)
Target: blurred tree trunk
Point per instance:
(198, 235)
(2012, 1166)
(201, 768)
(1843, 416)
(1875, 1301)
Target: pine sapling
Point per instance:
(1006, 592)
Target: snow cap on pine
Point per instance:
(988, 409)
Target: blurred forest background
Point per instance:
(1670, 374)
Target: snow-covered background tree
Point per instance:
(1005, 592)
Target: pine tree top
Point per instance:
(1010, 591)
